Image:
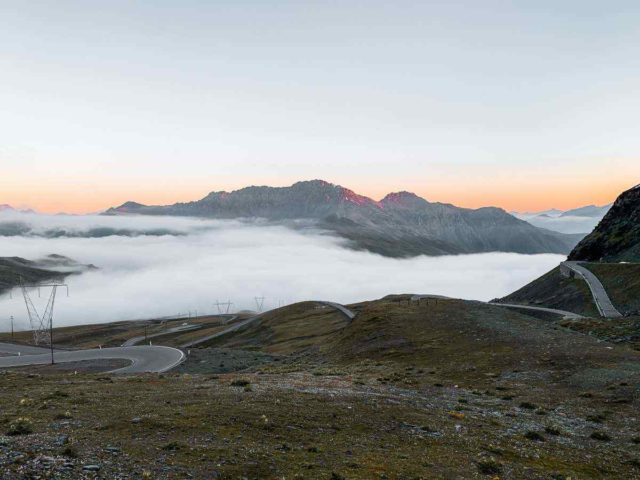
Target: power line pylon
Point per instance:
(259, 303)
(41, 325)
(227, 304)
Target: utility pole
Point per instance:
(11, 327)
(51, 336)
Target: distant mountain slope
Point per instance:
(617, 236)
(13, 270)
(400, 225)
(577, 221)
(588, 211)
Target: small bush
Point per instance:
(20, 426)
(553, 431)
(535, 436)
(70, 451)
(240, 382)
(528, 405)
(601, 436)
(172, 446)
(489, 467)
(597, 418)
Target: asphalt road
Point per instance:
(564, 313)
(15, 349)
(182, 328)
(540, 309)
(143, 359)
(341, 308)
(600, 297)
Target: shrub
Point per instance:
(489, 467)
(601, 436)
(528, 405)
(597, 418)
(552, 431)
(535, 436)
(20, 426)
(240, 382)
(70, 451)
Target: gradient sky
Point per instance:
(522, 104)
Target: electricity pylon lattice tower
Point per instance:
(259, 303)
(42, 325)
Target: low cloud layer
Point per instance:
(153, 276)
(569, 224)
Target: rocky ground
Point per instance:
(367, 421)
(407, 390)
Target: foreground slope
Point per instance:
(402, 224)
(436, 388)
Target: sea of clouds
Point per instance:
(568, 224)
(201, 261)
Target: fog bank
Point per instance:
(152, 276)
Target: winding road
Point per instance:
(564, 313)
(182, 328)
(143, 359)
(600, 297)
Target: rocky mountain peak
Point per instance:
(617, 236)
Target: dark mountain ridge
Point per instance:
(617, 236)
(402, 224)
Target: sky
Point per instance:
(519, 104)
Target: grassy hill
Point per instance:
(553, 290)
(622, 283)
(432, 389)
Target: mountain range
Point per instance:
(576, 221)
(400, 225)
(9, 208)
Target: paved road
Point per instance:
(232, 328)
(15, 349)
(415, 298)
(341, 308)
(540, 309)
(182, 328)
(249, 321)
(600, 297)
(143, 359)
(564, 313)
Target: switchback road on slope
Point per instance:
(143, 359)
(600, 297)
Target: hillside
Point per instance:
(400, 225)
(553, 290)
(588, 211)
(617, 236)
(398, 392)
(13, 270)
(622, 282)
